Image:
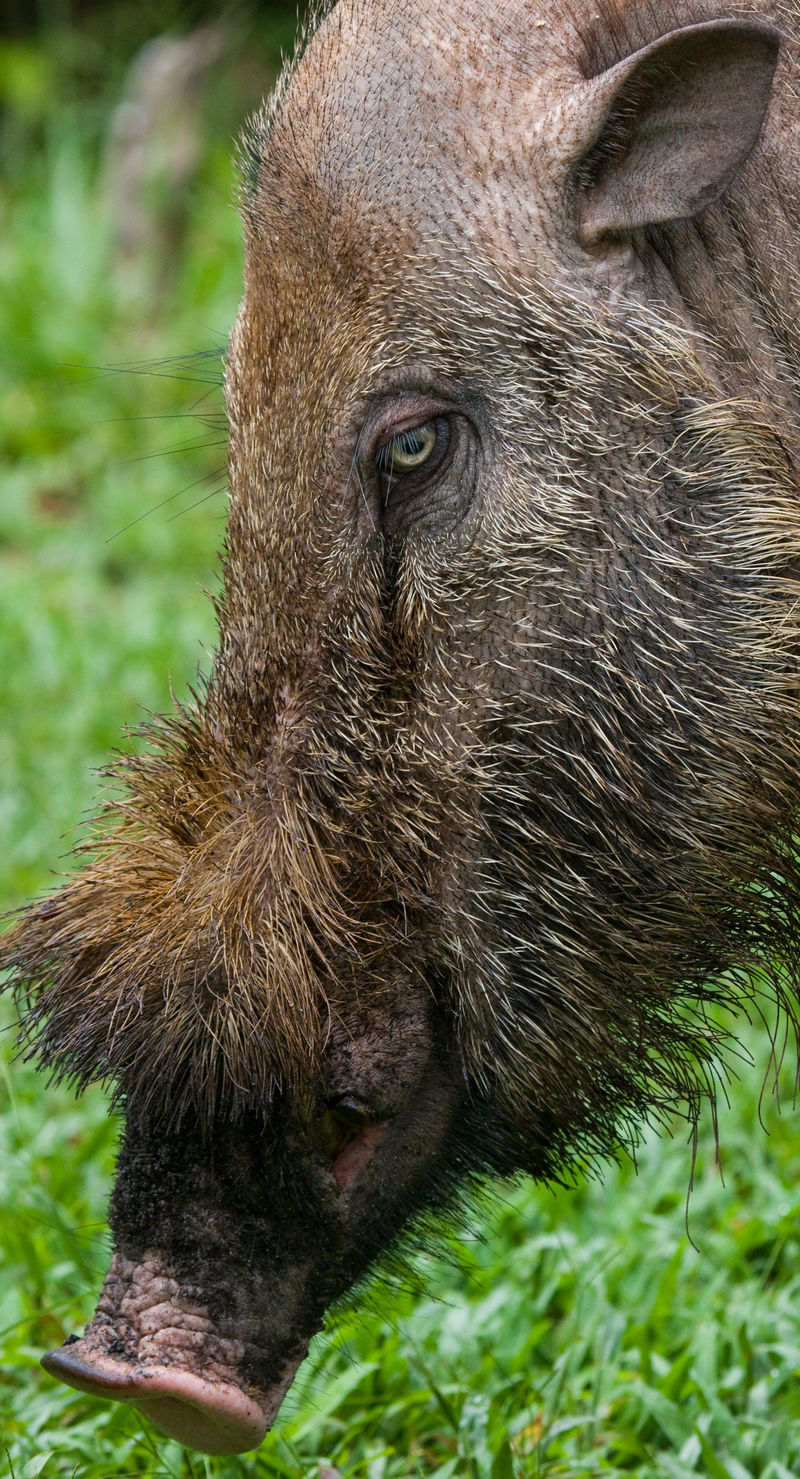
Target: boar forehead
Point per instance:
(405, 120)
(430, 114)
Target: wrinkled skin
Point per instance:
(491, 790)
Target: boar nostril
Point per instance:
(213, 1417)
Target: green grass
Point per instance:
(575, 1333)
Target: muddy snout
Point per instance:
(153, 1346)
(153, 1343)
(232, 1243)
(217, 1284)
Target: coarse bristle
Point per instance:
(553, 774)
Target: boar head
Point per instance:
(490, 791)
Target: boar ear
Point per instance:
(665, 131)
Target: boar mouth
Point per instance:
(216, 1418)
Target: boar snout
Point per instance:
(218, 1281)
(212, 1412)
(231, 1242)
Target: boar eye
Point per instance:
(414, 454)
(408, 450)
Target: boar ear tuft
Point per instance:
(665, 131)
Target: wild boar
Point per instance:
(492, 788)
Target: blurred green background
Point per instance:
(567, 1332)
